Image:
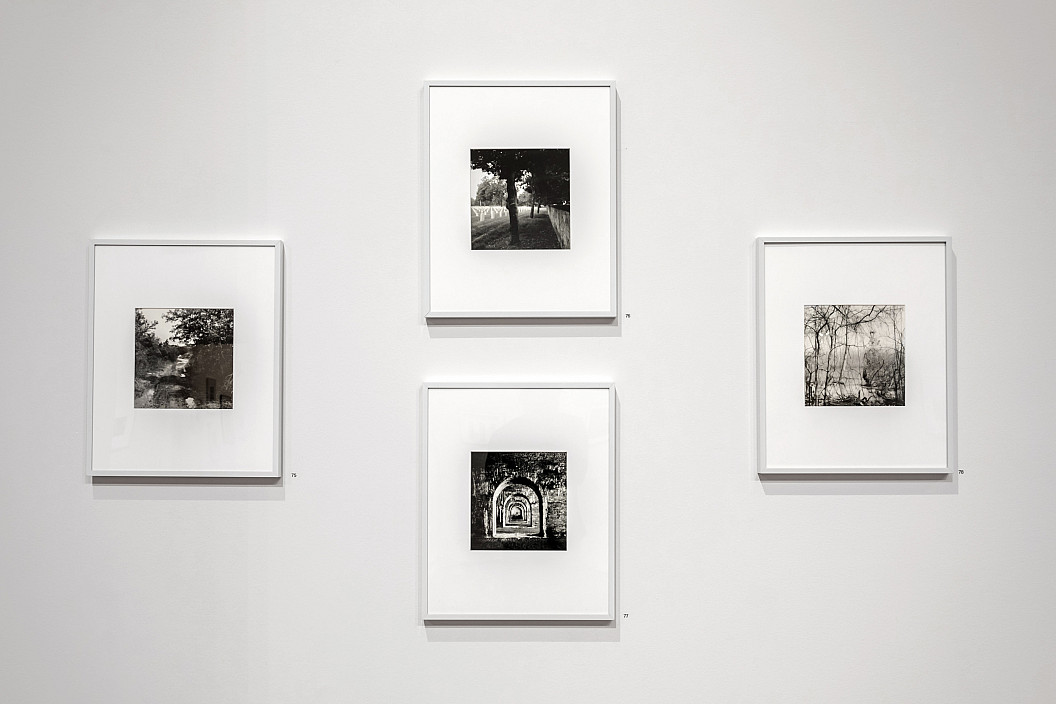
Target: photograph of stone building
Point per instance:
(184, 358)
(518, 501)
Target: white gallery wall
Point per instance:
(302, 122)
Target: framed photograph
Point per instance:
(521, 200)
(186, 357)
(854, 355)
(519, 493)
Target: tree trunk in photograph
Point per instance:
(829, 364)
(511, 205)
(846, 347)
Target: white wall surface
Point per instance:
(301, 121)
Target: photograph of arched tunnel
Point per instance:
(518, 501)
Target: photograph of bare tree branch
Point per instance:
(519, 199)
(854, 355)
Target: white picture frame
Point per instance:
(463, 580)
(232, 428)
(577, 281)
(836, 395)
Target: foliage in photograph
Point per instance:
(854, 355)
(518, 501)
(519, 199)
(184, 358)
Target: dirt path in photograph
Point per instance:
(148, 383)
(535, 233)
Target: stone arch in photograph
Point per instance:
(518, 509)
(518, 501)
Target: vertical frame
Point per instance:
(849, 279)
(578, 281)
(460, 421)
(185, 355)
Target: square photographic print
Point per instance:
(184, 358)
(854, 355)
(519, 199)
(518, 501)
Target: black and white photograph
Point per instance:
(854, 355)
(499, 463)
(519, 199)
(184, 358)
(518, 501)
(525, 152)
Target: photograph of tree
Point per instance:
(519, 199)
(854, 355)
(184, 358)
(518, 501)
